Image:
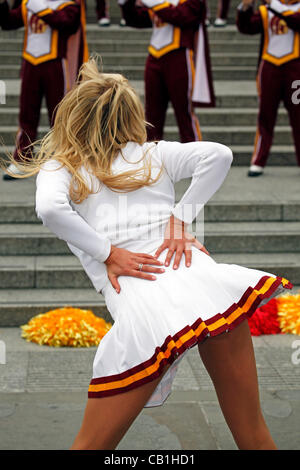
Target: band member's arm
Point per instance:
(187, 13)
(248, 21)
(54, 209)
(66, 18)
(292, 18)
(135, 15)
(10, 19)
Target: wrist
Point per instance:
(112, 251)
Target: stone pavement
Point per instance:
(43, 393)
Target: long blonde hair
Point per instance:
(93, 123)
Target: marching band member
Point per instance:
(178, 58)
(54, 48)
(278, 71)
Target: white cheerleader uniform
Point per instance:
(155, 322)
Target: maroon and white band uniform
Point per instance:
(178, 55)
(46, 69)
(278, 69)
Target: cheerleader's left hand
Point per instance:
(178, 241)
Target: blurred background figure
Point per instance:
(278, 72)
(222, 14)
(54, 48)
(103, 17)
(177, 45)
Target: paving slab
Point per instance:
(43, 392)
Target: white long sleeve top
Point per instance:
(133, 220)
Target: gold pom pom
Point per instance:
(289, 313)
(67, 326)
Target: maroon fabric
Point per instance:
(249, 21)
(136, 16)
(187, 16)
(275, 84)
(102, 9)
(46, 79)
(66, 21)
(16, 3)
(223, 9)
(10, 19)
(167, 79)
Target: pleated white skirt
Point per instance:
(156, 322)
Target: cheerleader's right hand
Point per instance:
(122, 262)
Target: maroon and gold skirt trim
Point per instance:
(187, 337)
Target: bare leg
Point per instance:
(106, 420)
(230, 361)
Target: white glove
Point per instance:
(35, 6)
(121, 2)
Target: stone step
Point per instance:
(219, 72)
(229, 135)
(115, 32)
(242, 94)
(211, 117)
(129, 59)
(221, 237)
(280, 156)
(215, 211)
(115, 12)
(231, 100)
(66, 272)
(17, 306)
(102, 46)
(116, 17)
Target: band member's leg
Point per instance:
(223, 9)
(179, 72)
(56, 84)
(269, 84)
(102, 9)
(156, 98)
(292, 100)
(30, 106)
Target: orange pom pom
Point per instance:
(289, 313)
(66, 326)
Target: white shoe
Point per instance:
(104, 22)
(122, 22)
(207, 22)
(13, 169)
(220, 22)
(255, 170)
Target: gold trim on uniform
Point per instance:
(54, 35)
(265, 54)
(175, 44)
